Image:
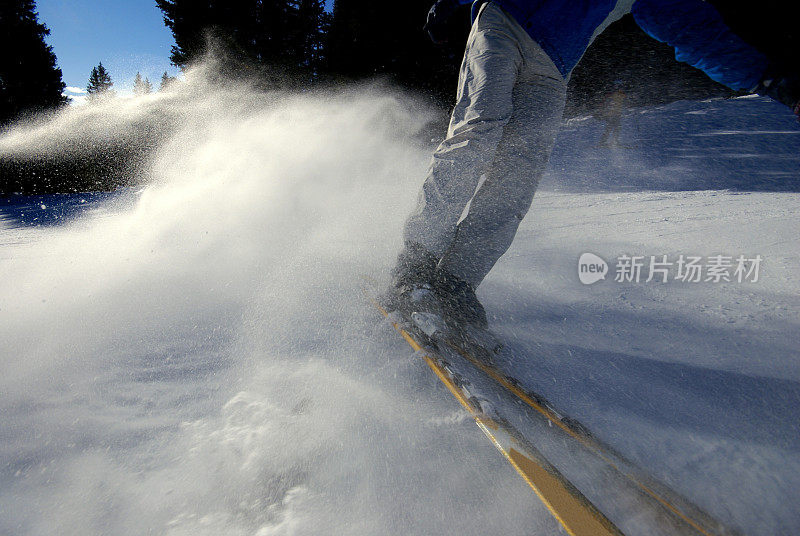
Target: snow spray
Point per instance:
(196, 358)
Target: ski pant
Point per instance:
(508, 110)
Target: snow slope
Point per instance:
(196, 358)
(698, 382)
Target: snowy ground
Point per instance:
(196, 358)
(699, 382)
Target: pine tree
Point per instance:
(141, 87)
(313, 23)
(138, 84)
(286, 36)
(29, 78)
(166, 81)
(100, 83)
(191, 22)
(369, 38)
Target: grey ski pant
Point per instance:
(508, 110)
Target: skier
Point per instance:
(510, 99)
(611, 114)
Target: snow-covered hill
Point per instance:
(196, 357)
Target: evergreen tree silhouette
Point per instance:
(30, 81)
(369, 38)
(312, 23)
(166, 81)
(140, 86)
(99, 82)
(285, 36)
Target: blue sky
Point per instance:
(126, 35)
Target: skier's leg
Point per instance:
(504, 198)
(484, 106)
(606, 133)
(615, 127)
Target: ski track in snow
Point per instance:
(196, 358)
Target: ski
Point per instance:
(576, 513)
(481, 348)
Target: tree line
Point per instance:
(30, 80)
(281, 42)
(101, 85)
(298, 44)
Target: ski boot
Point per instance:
(458, 302)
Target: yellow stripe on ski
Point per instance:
(576, 513)
(583, 440)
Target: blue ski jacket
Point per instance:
(565, 28)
